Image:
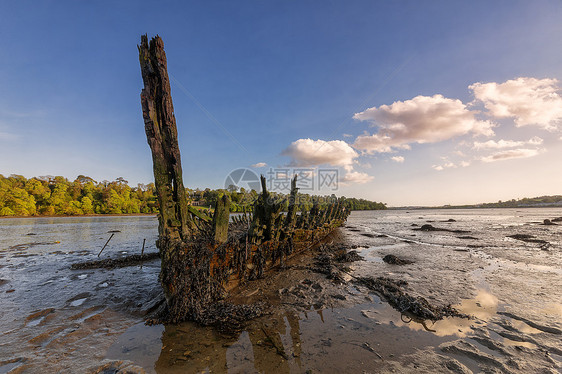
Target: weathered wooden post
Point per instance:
(175, 223)
(220, 219)
(292, 211)
(162, 136)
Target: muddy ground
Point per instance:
(325, 321)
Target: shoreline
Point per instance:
(85, 215)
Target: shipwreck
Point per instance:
(203, 256)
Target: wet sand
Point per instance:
(511, 288)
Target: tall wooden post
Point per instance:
(175, 224)
(162, 136)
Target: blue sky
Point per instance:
(276, 73)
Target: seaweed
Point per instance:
(417, 307)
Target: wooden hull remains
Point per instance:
(203, 257)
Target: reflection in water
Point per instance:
(295, 342)
(482, 307)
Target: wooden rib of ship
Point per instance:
(203, 256)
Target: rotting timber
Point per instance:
(202, 256)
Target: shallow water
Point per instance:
(98, 313)
(45, 305)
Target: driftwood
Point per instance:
(202, 256)
(110, 263)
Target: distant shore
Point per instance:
(473, 207)
(85, 215)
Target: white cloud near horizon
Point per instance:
(500, 144)
(447, 165)
(398, 159)
(356, 177)
(259, 165)
(423, 119)
(529, 101)
(451, 165)
(511, 154)
(308, 152)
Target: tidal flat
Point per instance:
(55, 319)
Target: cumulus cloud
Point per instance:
(447, 165)
(423, 119)
(510, 154)
(308, 152)
(398, 159)
(356, 177)
(259, 165)
(492, 144)
(529, 101)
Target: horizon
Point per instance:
(413, 104)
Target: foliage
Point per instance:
(58, 196)
(526, 202)
(50, 195)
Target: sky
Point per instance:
(412, 102)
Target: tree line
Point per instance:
(56, 195)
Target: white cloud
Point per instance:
(423, 119)
(492, 144)
(464, 164)
(347, 135)
(259, 165)
(447, 165)
(510, 154)
(398, 159)
(500, 144)
(356, 177)
(530, 101)
(308, 152)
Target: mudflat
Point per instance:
(322, 316)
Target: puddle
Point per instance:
(141, 344)
(296, 342)
(78, 302)
(35, 322)
(524, 328)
